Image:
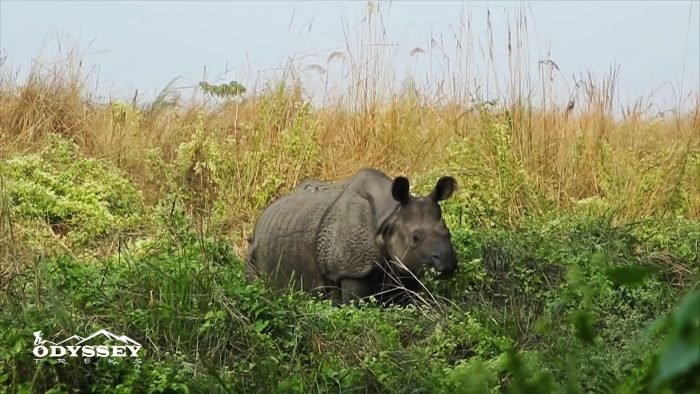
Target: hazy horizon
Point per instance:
(144, 45)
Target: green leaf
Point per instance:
(583, 323)
(261, 325)
(689, 309)
(629, 275)
(678, 358)
(17, 348)
(681, 351)
(654, 328)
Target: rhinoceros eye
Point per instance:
(416, 237)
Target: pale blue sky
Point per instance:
(145, 44)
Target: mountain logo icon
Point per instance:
(104, 333)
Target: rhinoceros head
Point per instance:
(416, 234)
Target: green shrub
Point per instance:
(56, 194)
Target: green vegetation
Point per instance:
(578, 238)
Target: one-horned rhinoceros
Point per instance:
(354, 238)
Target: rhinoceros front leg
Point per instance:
(353, 289)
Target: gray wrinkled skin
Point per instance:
(345, 239)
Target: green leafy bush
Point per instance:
(58, 194)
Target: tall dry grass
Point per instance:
(568, 148)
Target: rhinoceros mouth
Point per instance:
(438, 274)
(406, 272)
(445, 275)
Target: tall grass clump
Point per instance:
(575, 222)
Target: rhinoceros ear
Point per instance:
(443, 189)
(399, 190)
